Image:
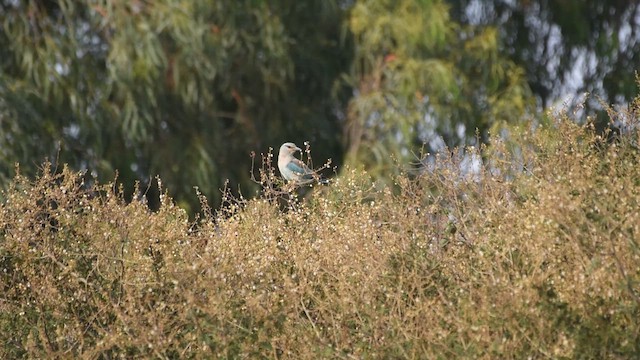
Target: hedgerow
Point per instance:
(536, 255)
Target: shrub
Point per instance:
(536, 255)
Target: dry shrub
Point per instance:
(535, 256)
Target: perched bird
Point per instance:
(291, 168)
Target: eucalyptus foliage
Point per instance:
(183, 89)
(567, 47)
(420, 77)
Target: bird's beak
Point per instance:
(297, 149)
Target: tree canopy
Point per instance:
(187, 89)
(566, 47)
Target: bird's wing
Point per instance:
(299, 168)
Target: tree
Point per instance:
(421, 77)
(567, 47)
(184, 89)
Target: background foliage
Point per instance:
(566, 47)
(188, 89)
(184, 89)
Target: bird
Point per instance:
(292, 169)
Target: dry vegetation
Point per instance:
(536, 256)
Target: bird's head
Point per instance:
(288, 148)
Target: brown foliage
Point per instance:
(537, 255)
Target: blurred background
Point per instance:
(188, 89)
